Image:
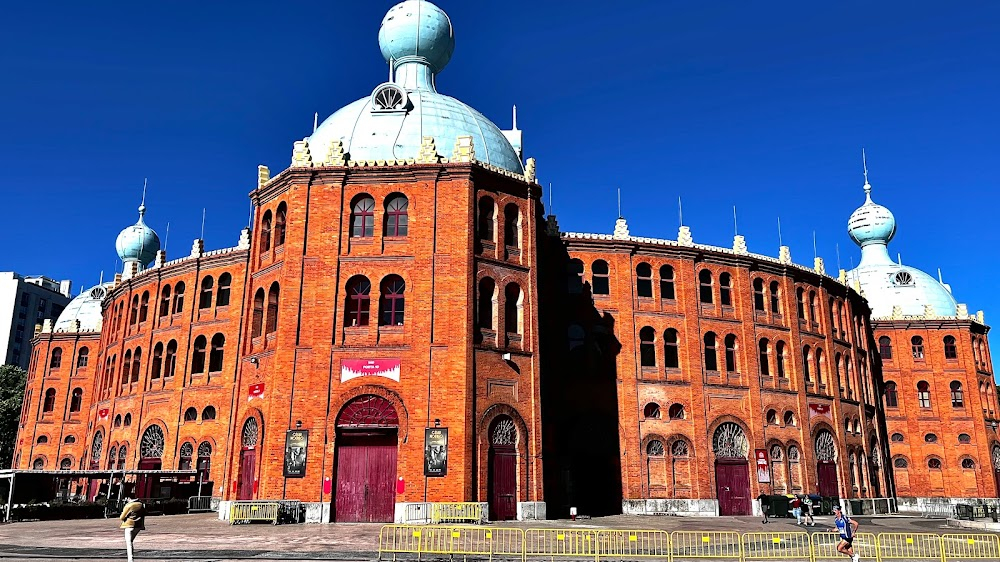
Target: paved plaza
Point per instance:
(204, 537)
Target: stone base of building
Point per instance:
(530, 511)
(689, 508)
(419, 513)
(870, 506)
(941, 505)
(317, 512)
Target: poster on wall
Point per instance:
(296, 441)
(354, 368)
(436, 451)
(763, 474)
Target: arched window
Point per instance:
(265, 232)
(144, 307)
(725, 289)
(205, 301)
(135, 364)
(76, 400)
(512, 309)
(70, 439)
(651, 411)
(968, 464)
(38, 464)
(392, 301)
(122, 454)
(279, 225)
(56, 361)
(654, 448)
(837, 359)
(934, 464)
(847, 425)
(165, 301)
(204, 459)
(924, 394)
(363, 217)
(184, 457)
(65, 464)
(800, 303)
(358, 301)
(50, 400)
(885, 347)
(486, 219)
(771, 417)
(671, 349)
(82, 357)
(930, 438)
(758, 294)
(891, 397)
(208, 413)
(126, 366)
(779, 352)
(820, 374)
(775, 298)
(487, 294)
(950, 349)
(250, 433)
(705, 286)
(151, 445)
(679, 449)
(118, 420)
(134, 313)
(964, 438)
(257, 321)
(190, 415)
(511, 225)
(601, 282)
(667, 282)
(957, 395)
(806, 359)
(900, 462)
(225, 281)
(179, 297)
(711, 356)
(812, 307)
(647, 350)
(897, 438)
(789, 418)
(271, 325)
(574, 276)
(676, 412)
(917, 346)
(396, 218)
(157, 367)
(217, 355)
(765, 369)
(42, 439)
(644, 280)
(198, 356)
(170, 360)
(731, 353)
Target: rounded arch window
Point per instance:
(208, 413)
(363, 216)
(995, 454)
(900, 462)
(680, 449)
(729, 441)
(39, 464)
(771, 417)
(705, 289)
(69, 440)
(934, 464)
(504, 433)
(151, 446)
(644, 280)
(250, 434)
(667, 282)
(396, 217)
(793, 453)
(654, 448)
(190, 415)
(647, 350)
(725, 289)
(128, 420)
(677, 412)
(968, 464)
(758, 294)
(42, 439)
(651, 411)
(964, 438)
(896, 438)
(826, 449)
(65, 464)
(930, 438)
(789, 418)
(97, 446)
(776, 453)
(118, 420)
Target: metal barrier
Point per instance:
(487, 542)
(824, 546)
(908, 546)
(632, 544)
(970, 547)
(777, 546)
(937, 511)
(564, 543)
(465, 512)
(399, 539)
(698, 545)
(199, 503)
(245, 511)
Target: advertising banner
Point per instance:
(255, 391)
(296, 441)
(435, 451)
(763, 472)
(353, 368)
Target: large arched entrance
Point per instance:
(732, 471)
(150, 455)
(826, 465)
(366, 446)
(995, 453)
(248, 459)
(502, 482)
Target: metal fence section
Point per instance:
(247, 511)
(699, 545)
(457, 512)
(399, 539)
(564, 543)
(824, 546)
(490, 542)
(200, 503)
(633, 544)
(777, 546)
(970, 547)
(911, 547)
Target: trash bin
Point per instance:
(826, 506)
(779, 506)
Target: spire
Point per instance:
(142, 204)
(867, 186)
(514, 127)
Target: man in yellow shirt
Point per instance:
(133, 519)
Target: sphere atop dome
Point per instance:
(871, 223)
(417, 31)
(138, 242)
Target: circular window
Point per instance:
(897, 438)
(388, 97)
(903, 278)
(930, 438)
(934, 463)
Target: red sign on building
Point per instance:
(763, 474)
(819, 410)
(353, 368)
(255, 391)
(102, 413)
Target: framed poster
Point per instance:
(296, 441)
(763, 471)
(435, 451)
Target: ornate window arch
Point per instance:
(368, 410)
(97, 446)
(151, 446)
(826, 448)
(250, 434)
(503, 432)
(730, 442)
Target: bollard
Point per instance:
(993, 513)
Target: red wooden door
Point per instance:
(381, 478)
(732, 486)
(148, 486)
(826, 475)
(248, 464)
(366, 478)
(503, 483)
(996, 477)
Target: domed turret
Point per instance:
(138, 243)
(417, 31)
(871, 223)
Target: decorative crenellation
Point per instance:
(47, 326)
(980, 317)
(465, 151)
(130, 270)
(161, 258)
(334, 154)
(740, 245)
(529, 171)
(897, 312)
(684, 237)
(244, 242)
(428, 152)
(621, 229)
(301, 157)
(263, 176)
(784, 254)
(842, 276)
(962, 310)
(818, 266)
(929, 312)
(198, 248)
(551, 226)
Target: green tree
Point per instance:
(12, 380)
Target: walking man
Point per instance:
(847, 528)
(133, 520)
(765, 504)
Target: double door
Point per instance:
(366, 478)
(732, 487)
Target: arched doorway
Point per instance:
(248, 459)
(366, 447)
(826, 465)
(875, 465)
(732, 471)
(996, 467)
(150, 455)
(502, 481)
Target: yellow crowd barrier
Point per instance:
(455, 512)
(911, 547)
(247, 511)
(970, 547)
(679, 546)
(824, 546)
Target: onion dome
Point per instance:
(138, 243)
(85, 309)
(871, 223)
(417, 40)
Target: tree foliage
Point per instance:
(12, 380)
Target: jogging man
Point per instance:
(846, 527)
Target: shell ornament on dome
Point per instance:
(389, 98)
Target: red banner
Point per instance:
(763, 474)
(102, 413)
(819, 410)
(255, 391)
(353, 368)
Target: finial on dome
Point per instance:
(142, 204)
(417, 31)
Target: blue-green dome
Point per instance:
(138, 242)
(871, 223)
(417, 30)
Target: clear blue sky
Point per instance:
(760, 105)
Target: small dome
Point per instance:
(85, 308)
(871, 223)
(138, 242)
(417, 31)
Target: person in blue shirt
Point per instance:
(846, 528)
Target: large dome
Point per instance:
(138, 242)
(390, 124)
(86, 309)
